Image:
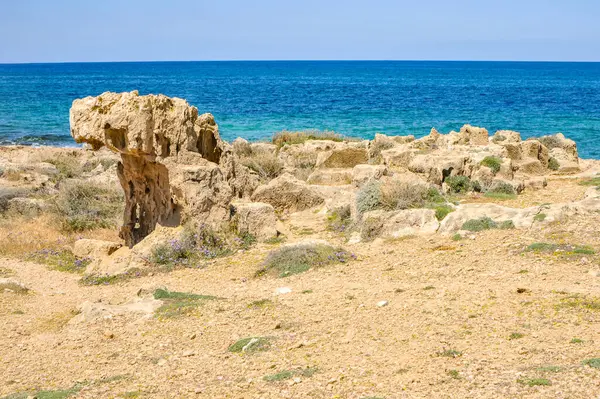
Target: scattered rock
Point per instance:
(381, 304)
(286, 193)
(12, 285)
(255, 218)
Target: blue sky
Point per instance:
(133, 30)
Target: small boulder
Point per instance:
(286, 193)
(330, 177)
(12, 285)
(254, 218)
(363, 173)
(472, 135)
(342, 157)
(95, 249)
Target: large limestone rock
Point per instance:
(255, 218)
(170, 157)
(286, 193)
(343, 157)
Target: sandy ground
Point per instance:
(476, 318)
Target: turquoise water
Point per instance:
(256, 99)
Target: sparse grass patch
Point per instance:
(560, 249)
(62, 260)
(454, 374)
(553, 164)
(178, 304)
(286, 137)
(594, 363)
(260, 304)
(294, 259)
(450, 353)
(83, 206)
(6, 272)
(265, 163)
(276, 240)
(499, 196)
(591, 181)
(550, 369)
(486, 223)
(540, 217)
(457, 237)
(516, 335)
(108, 279)
(251, 345)
(579, 303)
(458, 184)
(533, 382)
(339, 219)
(287, 374)
(68, 167)
(441, 211)
(494, 163)
(577, 341)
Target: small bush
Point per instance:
(251, 344)
(194, 245)
(176, 304)
(494, 163)
(450, 353)
(368, 198)
(577, 341)
(441, 211)
(506, 225)
(457, 237)
(501, 187)
(540, 217)
(516, 335)
(399, 194)
(295, 259)
(498, 138)
(285, 137)
(533, 382)
(83, 206)
(458, 184)
(266, 164)
(553, 164)
(340, 219)
(68, 167)
(287, 374)
(550, 141)
(594, 363)
(61, 260)
(484, 223)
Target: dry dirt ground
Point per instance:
(475, 318)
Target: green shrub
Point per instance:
(458, 184)
(593, 181)
(339, 219)
(368, 198)
(532, 382)
(285, 137)
(194, 245)
(294, 259)
(83, 206)
(553, 164)
(549, 142)
(398, 194)
(441, 211)
(484, 223)
(251, 344)
(176, 304)
(266, 164)
(594, 363)
(540, 217)
(506, 225)
(502, 187)
(494, 163)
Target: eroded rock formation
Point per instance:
(170, 159)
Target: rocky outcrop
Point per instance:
(174, 167)
(254, 218)
(286, 193)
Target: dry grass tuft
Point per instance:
(286, 137)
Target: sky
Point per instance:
(173, 30)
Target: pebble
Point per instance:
(193, 336)
(283, 290)
(188, 353)
(382, 303)
(162, 362)
(109, 334)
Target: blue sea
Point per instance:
(356, 98)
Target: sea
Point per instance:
(255, 99)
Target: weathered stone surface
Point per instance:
(506, 136)
(95, 249)
(255, 218)
(12, 285)
(472, 135)
(286, 193)
(98, 311)
(410, 222)
(342, 157)
(169, 159)
(437, 167)
(330, 177)
(363, 173)
(400, 156)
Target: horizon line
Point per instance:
(293, 60)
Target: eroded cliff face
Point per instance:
(170, 157)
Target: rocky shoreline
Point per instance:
(155, 191)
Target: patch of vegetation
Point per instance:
(93, 163)
(68, 167)
(594, 363)
(577, 341)
(294, 259)
(195, 245)
(458, 184)
(83, 206)
(57, 394)
(287, 374)
(377, 146)
(450, 353)
(592, 181)
(499, 196)
(553, 164)
(368, 198)
(265, 163)
(494, 163)
(260, 304)
(561, 249)
(6, 272)
(454, 374)
(457, 237)
(251, 345)
(516, 335)
(429, 287)
(339, 219)
(486, 223)
(276, 240)
(285, 137)
(441, 211)
(540, 217)
(549, 142)
(62, 260)
(550, 369)
(533, 382)
(176, 304)
(578, 302)
(108, 279)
